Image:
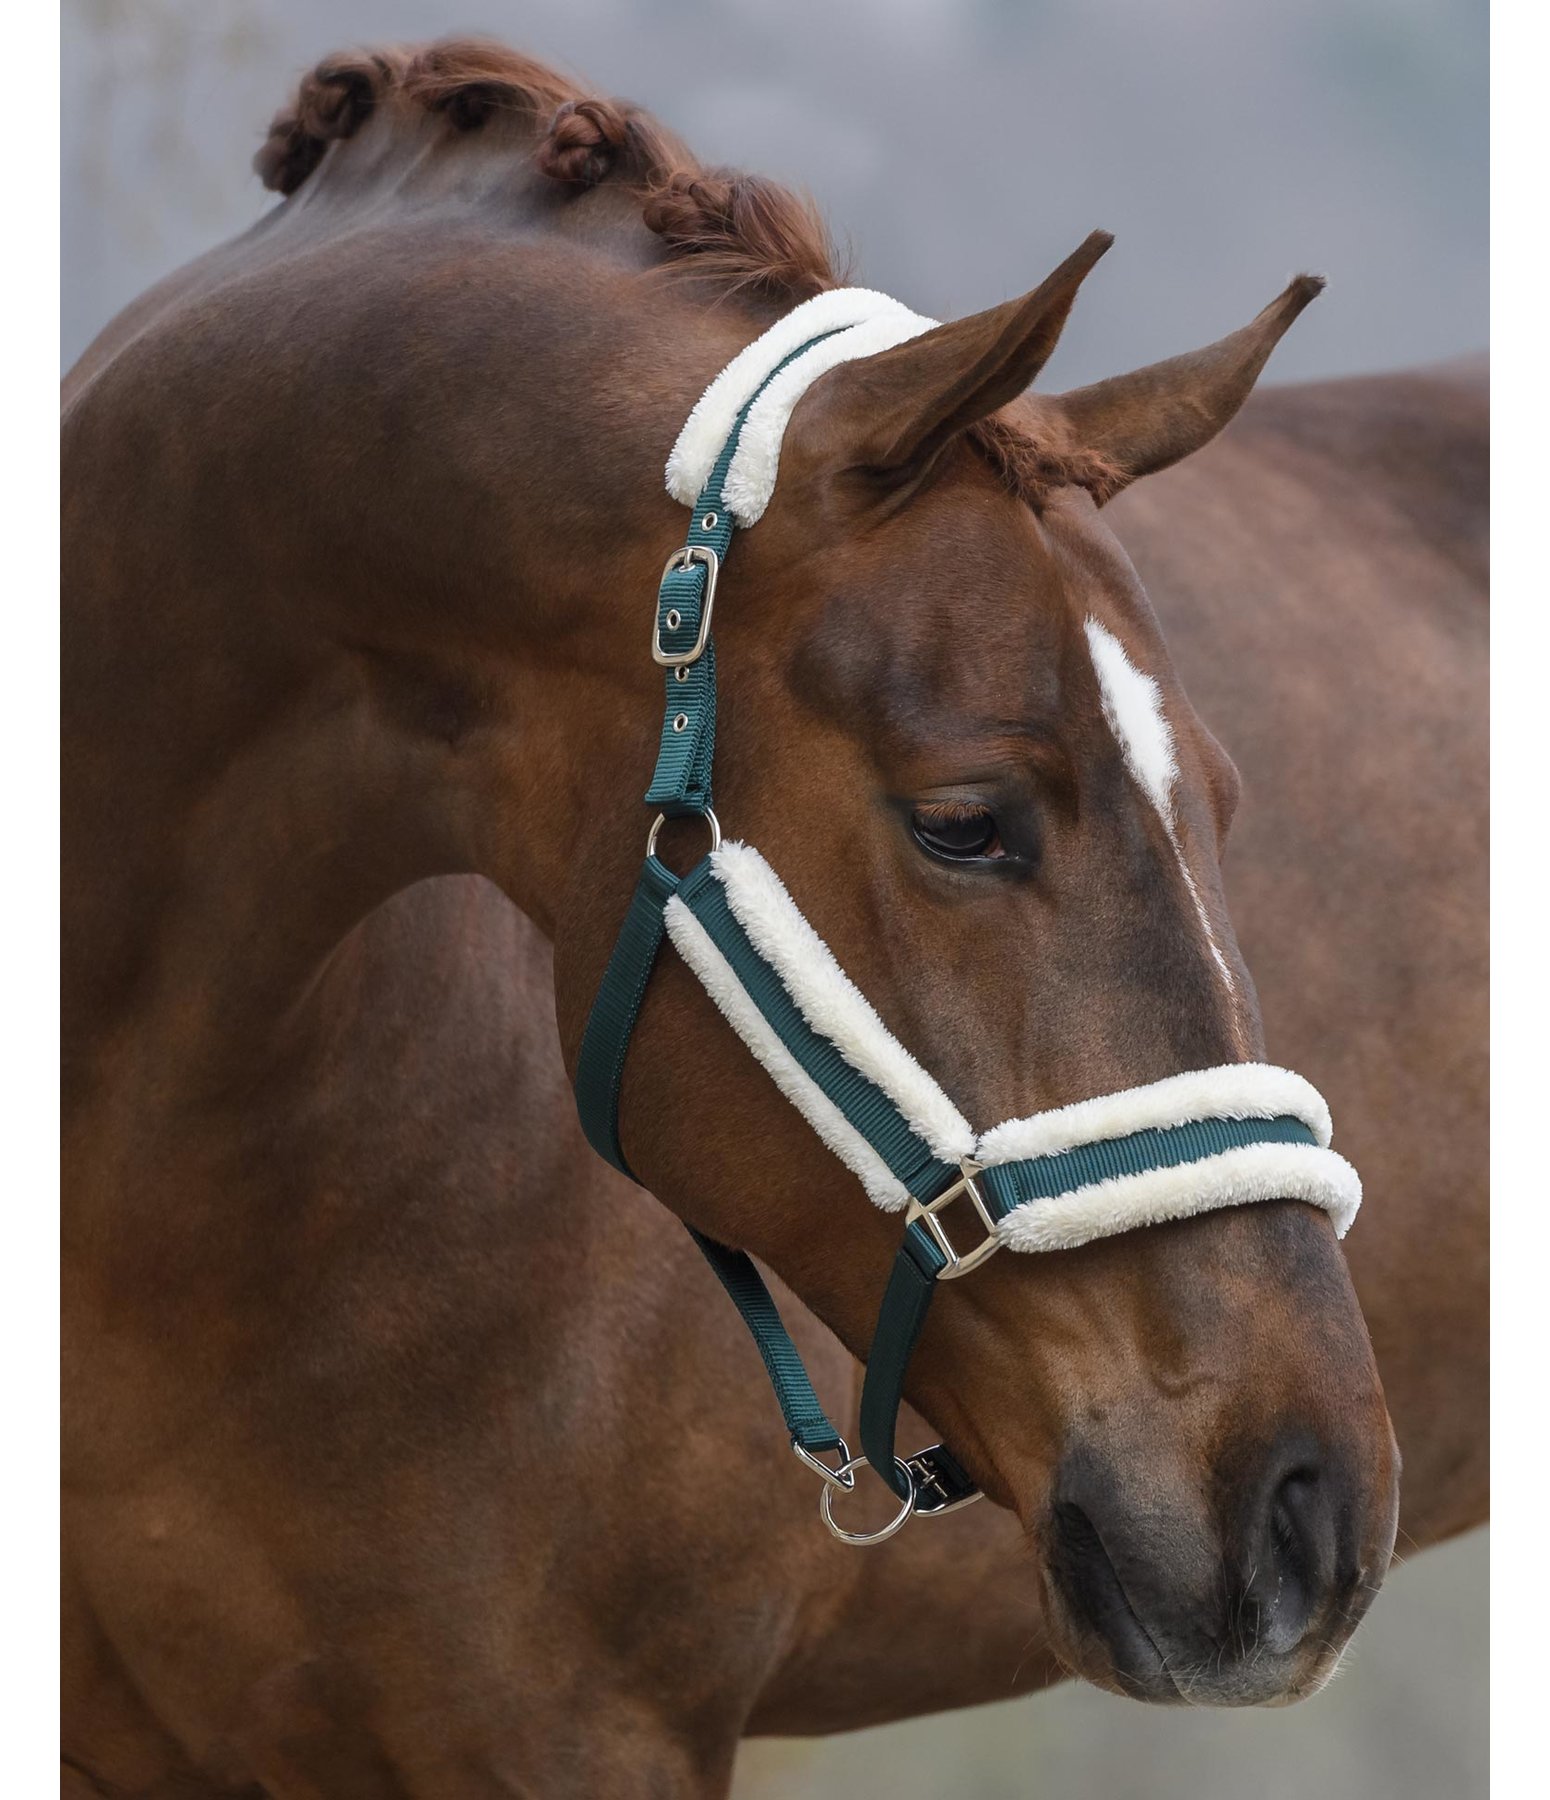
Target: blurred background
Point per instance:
(963, 147)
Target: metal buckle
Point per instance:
(928, 1481)
(965, 1184)
(684, 557)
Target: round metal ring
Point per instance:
(673, 620)
(708, 523)
(896, 1523)
(661, 820)
(680, 673)
(680, 721)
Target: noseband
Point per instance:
(1184, 1145)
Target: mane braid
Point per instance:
(742, 231)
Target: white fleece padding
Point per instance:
(831, 1003)
(720, 981)
(1252, 1172)
(1234, 1091)
(750, 482)
(865, 322)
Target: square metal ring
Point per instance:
(957, 1263)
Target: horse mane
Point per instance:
(743, 230)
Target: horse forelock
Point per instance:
(742, 231)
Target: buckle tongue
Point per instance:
(942, 1485)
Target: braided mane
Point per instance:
(742, 229)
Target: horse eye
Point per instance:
(957, 831)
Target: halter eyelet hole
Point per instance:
(708, 523)
(673, 620)
(680, 722)
(680, 673)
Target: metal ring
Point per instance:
(680, 673)
(673, 620)
(661, 820)
(708, 523)
(840, 1478)
(680, 721)
(826, 1504)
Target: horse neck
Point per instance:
(361, 543)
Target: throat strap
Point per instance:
(599, 1076)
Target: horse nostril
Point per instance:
(1290, 1559)
(1084, 1571)
(1078, 1535)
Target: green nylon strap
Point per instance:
(681, 781)
(906, 1301)
(605, 1045)
(606, 1041)
(805, 1418)
(1008, 1185)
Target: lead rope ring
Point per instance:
(837, 1482)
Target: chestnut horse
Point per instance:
(409, 1448)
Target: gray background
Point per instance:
(964, 146)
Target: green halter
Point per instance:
(931, 1481)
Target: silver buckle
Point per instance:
(957, 1264)
(684, 557)
(928, 1482)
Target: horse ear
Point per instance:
(1142, 422)
(893, 412)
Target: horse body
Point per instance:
(409, 1448)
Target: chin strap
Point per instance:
(1180, 1146)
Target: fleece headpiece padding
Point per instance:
(861, 323)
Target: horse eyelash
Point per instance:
(950, 812)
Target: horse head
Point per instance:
(951, 724)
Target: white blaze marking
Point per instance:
(1132, 704)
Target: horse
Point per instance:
(409, 1447)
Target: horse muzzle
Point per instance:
(1162, 1596)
